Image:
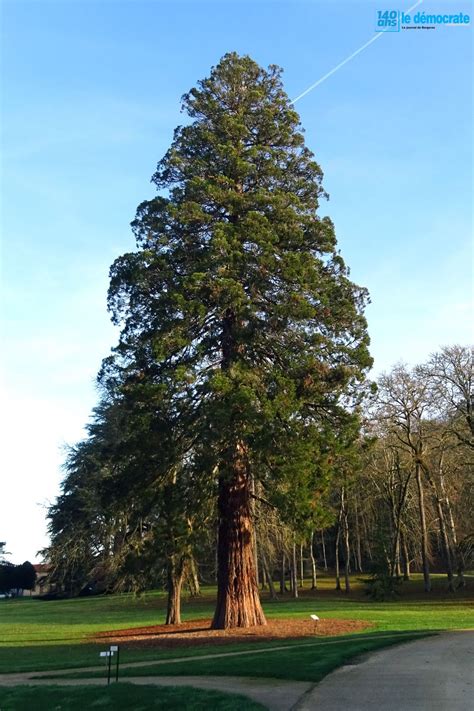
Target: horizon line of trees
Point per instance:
(397, 500)
(15, 577)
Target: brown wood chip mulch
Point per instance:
(195, 632)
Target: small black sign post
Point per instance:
(115, 649)
(108, 656)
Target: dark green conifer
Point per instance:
(239, 311)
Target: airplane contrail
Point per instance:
(346, 60)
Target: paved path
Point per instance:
(433, 674)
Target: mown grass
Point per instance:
(120, 696)
(39, 635)
(302, 660)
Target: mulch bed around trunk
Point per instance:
(196, 632)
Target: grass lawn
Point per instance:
(39, 635)
(304, 660)
(120, 696)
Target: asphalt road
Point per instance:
(433, 674)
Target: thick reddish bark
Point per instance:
(238, 602)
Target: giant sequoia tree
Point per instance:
(239, 309)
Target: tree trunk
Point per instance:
(238, 602)
(336, 546)
(263, 577)
(406, 557)
(447, 503)
(446, 545)
(347, 551)
(255, 557)
(294, 573)
(314, 576)
(395, 554)
(325, 562)
(367, 539)
(398, 568)
(175, 566)
(358, 553)
(398, 497)
(452, 529)
(193, 578)
(282, 574)
(255, 534)
(301, 566)
(273, 595)
(424, 531)
(442, 523)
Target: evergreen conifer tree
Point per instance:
(239, 312)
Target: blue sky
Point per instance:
(91, 95)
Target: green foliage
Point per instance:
(382, 586)
(13, 577)
(26, 576)
(7, 571)
(237, 300)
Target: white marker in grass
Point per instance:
(315, 619)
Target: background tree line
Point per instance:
(396, 499)
(15, 577)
